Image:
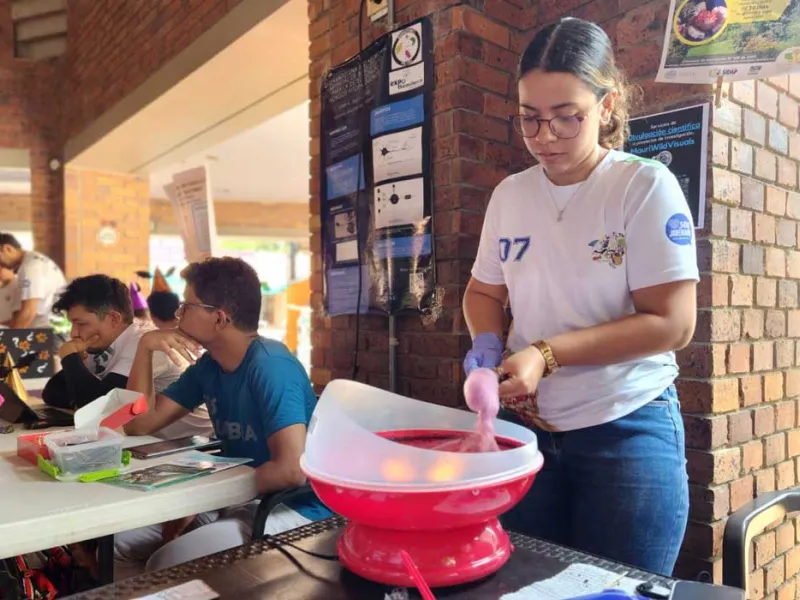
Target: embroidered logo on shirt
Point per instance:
(609, 249)
(679, 229)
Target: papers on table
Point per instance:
(574, 581)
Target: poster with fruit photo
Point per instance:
(732, 39)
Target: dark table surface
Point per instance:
(259, 571)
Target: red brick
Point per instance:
(785, 476)
(793, 562)
(474, 22)
(793, 443)
(739, 358)
(793, 264)
(766, 99)
(766, 292)
(787, 233)
(773, 386)
(740, 427)
(774, 576)
(720, 149)
(708, 503)
(756, 584)
(752, 324)
(787, 172)
(784, 537)
(713, 290)
(787, 591)
(742, 156)
(752, 456)
(764, 545)
(725, 325)
(763, 356)
(774, 449)
(776, 201)
(741, 290)
(744, 92)
(794, 145)
(794, 323)
(717, 466)
(776, 323)
(753, 194)
(728, 118)
(727, 186)
(765, 228)
(697, 360)
(775, 262)
(784, 353)
(705, 433)
(751, 390)
(763, 421)
(765, 481)
(785, 415)
(766, 165)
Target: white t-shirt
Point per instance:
(41, 279)
(118, 358)
(9, 300)
(626, 227)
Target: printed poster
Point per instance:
(678, 139)
(190, 194)
(376, 187)
(734, 39)
(20, 343)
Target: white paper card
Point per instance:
(576, 580)
(191, 590)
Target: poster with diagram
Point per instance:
(375, 181)
(734, 39)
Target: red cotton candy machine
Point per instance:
(376, 458)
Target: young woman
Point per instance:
(593, 250)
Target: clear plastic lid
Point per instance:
(343, 446)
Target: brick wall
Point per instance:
(93, 200)
(115, 45)
(476, 51)
(28, 120)
(742, 381)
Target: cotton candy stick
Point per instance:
(481, 394)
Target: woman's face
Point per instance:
(575, 111)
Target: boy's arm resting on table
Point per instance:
(163, 410)
(282, 471)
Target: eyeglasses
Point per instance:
(565, 128)
(182, 306)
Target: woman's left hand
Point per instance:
(524, 370)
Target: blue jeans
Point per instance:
(617, 490)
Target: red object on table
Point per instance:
(452, 536)
(31, 445)
(125, 414)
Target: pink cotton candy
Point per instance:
(481, 394)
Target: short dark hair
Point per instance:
(229, 284)
(581, 48)
(163, 305)
(98, 294)
(6, 239)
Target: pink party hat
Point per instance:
(137, 299)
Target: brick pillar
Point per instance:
(473, 149)
(94, 200)
(745, 381)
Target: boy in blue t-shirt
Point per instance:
(259, 398)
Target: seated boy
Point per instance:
(100, 354)
(260, 400)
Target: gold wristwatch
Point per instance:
(550, 362)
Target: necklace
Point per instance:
(560, 211)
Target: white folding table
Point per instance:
(37, 512)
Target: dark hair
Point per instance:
(229, 284)
(10, 240)
(582, 49)
(98, 294)
(163, 305)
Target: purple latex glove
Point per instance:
(487, 351)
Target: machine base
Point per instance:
(444, 558)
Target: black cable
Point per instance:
(281, 546)
(361, 106)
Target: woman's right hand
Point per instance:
(487, 351)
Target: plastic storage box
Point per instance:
(86, 450)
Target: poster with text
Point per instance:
(678, 139)
(733, 39)
(375, 181)
(190, 194)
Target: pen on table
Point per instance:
(618, 580)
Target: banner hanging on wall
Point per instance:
(678, 139)
(376, 188)
(733, 39)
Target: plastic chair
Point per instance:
(270, 501)
(745, 524)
